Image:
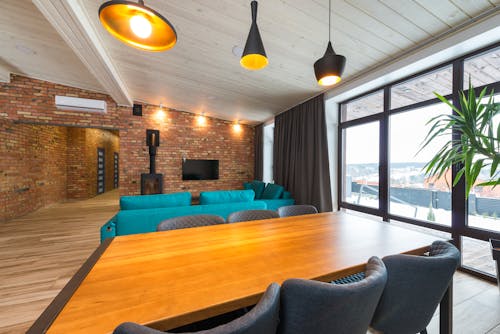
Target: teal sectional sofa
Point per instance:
(141, 214)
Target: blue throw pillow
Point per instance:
(272, 191)
(258, 187)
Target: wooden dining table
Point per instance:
(172, 278)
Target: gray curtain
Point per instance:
(300, 158)
(259, 152)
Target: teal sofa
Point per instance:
(272, 194)
(141, 214)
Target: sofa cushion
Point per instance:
(256, 186)
(272, 191)
(155, 201)
(286, 195)
(226, 196)
(142, 221)
(274, 204)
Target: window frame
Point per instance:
(459, 206)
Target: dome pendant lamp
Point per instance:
(254, 56)
(137, 25)
(329, 68)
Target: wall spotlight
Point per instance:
(202, 119)
(237, 126)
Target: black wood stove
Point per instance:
(152, 183)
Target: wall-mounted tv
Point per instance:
(200, 169)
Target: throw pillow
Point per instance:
(272, 191)
(258, 187)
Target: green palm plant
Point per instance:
(478, 146)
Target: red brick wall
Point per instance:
(27, 100)
(109, 141)
(76, 166)
(32, 167)
(82, 160)
(180, 135)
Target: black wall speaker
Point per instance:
(137, 110)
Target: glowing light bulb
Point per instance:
(141, 26)
(329, 80)
(202, 120)
(237, 127)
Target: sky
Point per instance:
(407, 132)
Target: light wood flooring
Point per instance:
(41, 251)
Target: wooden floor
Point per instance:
(41, 251)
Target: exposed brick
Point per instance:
(31, 155)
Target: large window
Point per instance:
(361, 161)
(411, 194)
(381, 168)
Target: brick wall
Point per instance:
(180, 135)
(30, 101)
(32, 167)
(109, 141)
(82, 160)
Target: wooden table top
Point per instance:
(168, 279)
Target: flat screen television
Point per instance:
(200, 169)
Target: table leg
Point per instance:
(446, 311)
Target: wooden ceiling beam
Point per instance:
(71, 21)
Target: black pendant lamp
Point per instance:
(137, 25)
(254, 56)
(329, 68)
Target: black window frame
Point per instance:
(459, 207)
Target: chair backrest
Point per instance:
(262, 319)
(296, 210)
(189, 221)
(325, 308)
(415, 286)
(246, 215)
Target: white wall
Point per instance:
(331, 111)
(268, 133)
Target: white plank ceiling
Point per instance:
(201, 74)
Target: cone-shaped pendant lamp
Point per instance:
(137, 25)
(329, 68)
(254, 56)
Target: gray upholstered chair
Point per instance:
(246, 215)
(263, 318)
(296, 210)
(177, 223)
(415, 286)
(324, 308)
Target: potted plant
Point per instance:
(478, 146)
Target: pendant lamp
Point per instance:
(137, 25)
(254, 56)
(329, 68)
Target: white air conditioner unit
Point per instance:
(78, 104)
